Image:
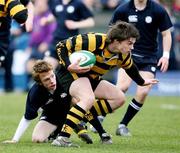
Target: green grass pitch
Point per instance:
(156, 129)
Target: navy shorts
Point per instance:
(146, 64)
(53, 119)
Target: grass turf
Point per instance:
(155, 129)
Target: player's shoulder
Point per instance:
(36, 89)
(123, 7)
(157, 8)
(78, 2)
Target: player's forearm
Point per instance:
(167, 42)
(23, 125)
(89, 22)
(29, 21)
(134, 74)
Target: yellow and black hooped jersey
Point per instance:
(95, 43)
(13, 8)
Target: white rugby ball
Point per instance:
(86, 58)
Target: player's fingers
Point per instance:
(154, 81)
(159, 63)
(164, 67)
(78, 61)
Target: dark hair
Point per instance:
(39, 67)
(122, 31)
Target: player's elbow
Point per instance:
(91, 22)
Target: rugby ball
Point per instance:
(86, 58)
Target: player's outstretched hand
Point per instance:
(9, 141)
(150, 82)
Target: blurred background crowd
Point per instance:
(26, 47)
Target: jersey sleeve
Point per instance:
(32, 105)
(119, 14)
(134, 74)
(63, 49)
(84, 12)
(164, 20)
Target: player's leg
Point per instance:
(123, 83)
(101, 107)
(42, 131)
(123, 80)
(135, 105)
(80, 89)
(114, 98)
(91, 117)
(110, 92)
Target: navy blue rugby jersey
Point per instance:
(149, 21)
(75, 10)
(56, 104)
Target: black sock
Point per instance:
(132, 109)
(94, 121)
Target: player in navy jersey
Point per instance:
(149, 17)
(85, 84)
(70, 15)
(49, 94)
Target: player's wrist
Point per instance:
(166, 54)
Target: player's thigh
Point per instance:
(43, 129)
(123, 80)
(110, 92)
(81, 88)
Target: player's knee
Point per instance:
(144, 92)
(120, 100)
(89, 101)
(123, 88)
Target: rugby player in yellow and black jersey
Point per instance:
(11, 9)
(85, 84)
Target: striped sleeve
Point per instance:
(63, 49)
(127, 62)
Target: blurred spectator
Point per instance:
(39, 38)
(15, 33)
(11, 10)
(71, 15)
(41, 35)
(110, 4)
(18, 44)
(89, 3)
